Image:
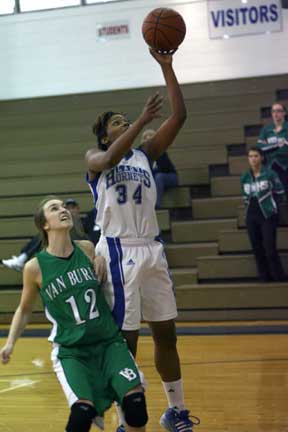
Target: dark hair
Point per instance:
(255, 149)
(283, 107)
(99, 128)
(40, 220)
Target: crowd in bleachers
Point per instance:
(264, 186)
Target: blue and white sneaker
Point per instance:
(120, 428)
(174, 420)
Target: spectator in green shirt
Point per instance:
(262, 191)
(273, 141)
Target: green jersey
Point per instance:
(274, 145)
(266, 188)
(74, 301)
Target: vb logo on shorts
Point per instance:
(129, 374)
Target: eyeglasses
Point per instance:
(277, 110)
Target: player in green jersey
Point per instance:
(90, 356)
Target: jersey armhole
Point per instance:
(140, 148)
(93, 186)
(95, 180)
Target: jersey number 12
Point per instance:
(89, 297)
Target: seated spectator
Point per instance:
(164, 172)
(83, 229)
(273, 141)
(262, 191)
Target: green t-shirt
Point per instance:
(74, 301)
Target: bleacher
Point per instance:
(43, 142)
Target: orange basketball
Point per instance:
(164, 30)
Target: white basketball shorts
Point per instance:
(138, 285)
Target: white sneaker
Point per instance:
(14, 263)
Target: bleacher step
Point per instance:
(200, 231)
(225, 186)
(232, 296)
(184, 276)
(238, 240)
(223, 207)
(185, 255)
(227, 267)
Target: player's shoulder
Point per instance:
(269, 127)
(87, 247)
(32, 269)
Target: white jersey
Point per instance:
(125, 198)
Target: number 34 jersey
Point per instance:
(125, 198)
(74, 301)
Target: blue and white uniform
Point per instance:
(138, 285)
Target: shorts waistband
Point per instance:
(127, 241)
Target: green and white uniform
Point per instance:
(265, 188)
(90, 356)
(274, 145)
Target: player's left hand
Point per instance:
(100, 268)
(5, 353)
(162, 59)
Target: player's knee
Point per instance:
(135, 411)
(81, 417)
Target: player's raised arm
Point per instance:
(22, 314)
(116, 135)
(167, 132)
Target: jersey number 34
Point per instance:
(122, 194)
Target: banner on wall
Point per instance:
(228, 18)
(113, 30)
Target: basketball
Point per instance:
(164, 30)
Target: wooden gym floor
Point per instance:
(234, 382)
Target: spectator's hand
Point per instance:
(5, 353)
(100, 268)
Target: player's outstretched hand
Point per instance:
(162, 59)
(100, 268)
(5, 353)
(152, 108)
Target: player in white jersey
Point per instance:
(124, 193)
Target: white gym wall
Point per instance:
(57, 52)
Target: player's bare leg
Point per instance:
(131, 337)
(176, 417)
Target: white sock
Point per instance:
(121, 418)
(174, 394)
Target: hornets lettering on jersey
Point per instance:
(125, 173)
(125, 198)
